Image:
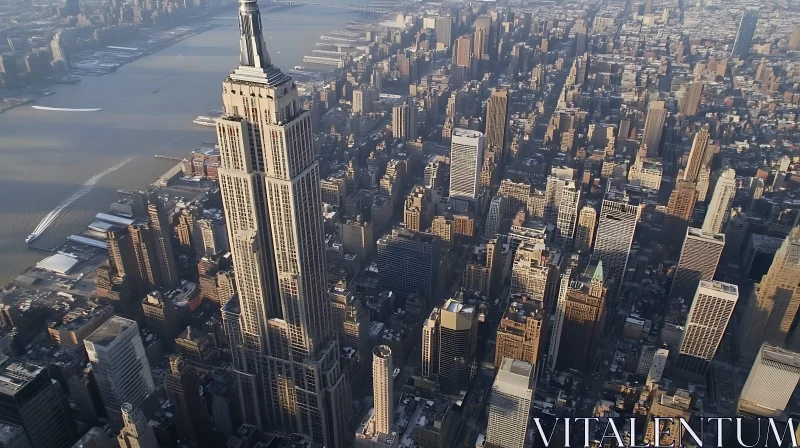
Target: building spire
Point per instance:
(251, 40)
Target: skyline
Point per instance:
(485, 215)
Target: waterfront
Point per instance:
(147, 109)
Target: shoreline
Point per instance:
(39, 90)
(29, 94)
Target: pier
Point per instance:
(322, 60)
(159, 156)
(42, 248)
(369, 9)
(348, 40)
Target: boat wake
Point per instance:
(65, 109)
(48, 220)
(180, 55)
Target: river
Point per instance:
(47, 156)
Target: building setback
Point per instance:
(270, 184)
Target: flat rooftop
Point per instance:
(727, 288)
(468, 133)
(110, 330)
(16, 374)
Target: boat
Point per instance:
(299, 67)
(205, 121)
(155, 91)
(66, 109)
(31, 237)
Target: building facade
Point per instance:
(772, 379)
(510, 404)
(708, 318)
(383, 389)
(120, 365)
(287, 365)
(698, 262)
(466, 159)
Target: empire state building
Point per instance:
(286, 356)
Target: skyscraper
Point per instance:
(654, 127)
(581, 36)
(582, 311)
(522, 330)
(145, 254)
(691, 99)
(430, 345)
(720, 206)
(462, 57)
(744, 37)
(287, 367)
(709, 315)
(383, 389)
(568, 213)
(618, 217)
(494, 217)
(584, 231)
(191, 417)
(552, 200)
(698, 156)
(458, 339)
(161, 231)
(558, 321)
(444, 30)
(774, 308)
(679, 213)
(772, 379)
(510, 404)
(433, 175)
(350, 318)
(404, 120)
(496, 120)
(449, 340)
(33, 403)
(532, 272)
(698, 262)
(466, 159)
(408, 262)
(794, 38)
(483, 26)
(136, 432)
(120, 365)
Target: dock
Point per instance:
(167, 177)
(42, 248)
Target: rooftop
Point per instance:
(693, 231)
(454, 306)
(727, 288)
(468, 133)
(780, 355)
(110, 330)
(16, 374)
(522, 307)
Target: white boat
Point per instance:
(205, 121)
(65, 109)
(299, 67)
(31, 237)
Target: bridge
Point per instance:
(367, 9)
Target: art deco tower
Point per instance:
(286, 365)
(775, 304)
